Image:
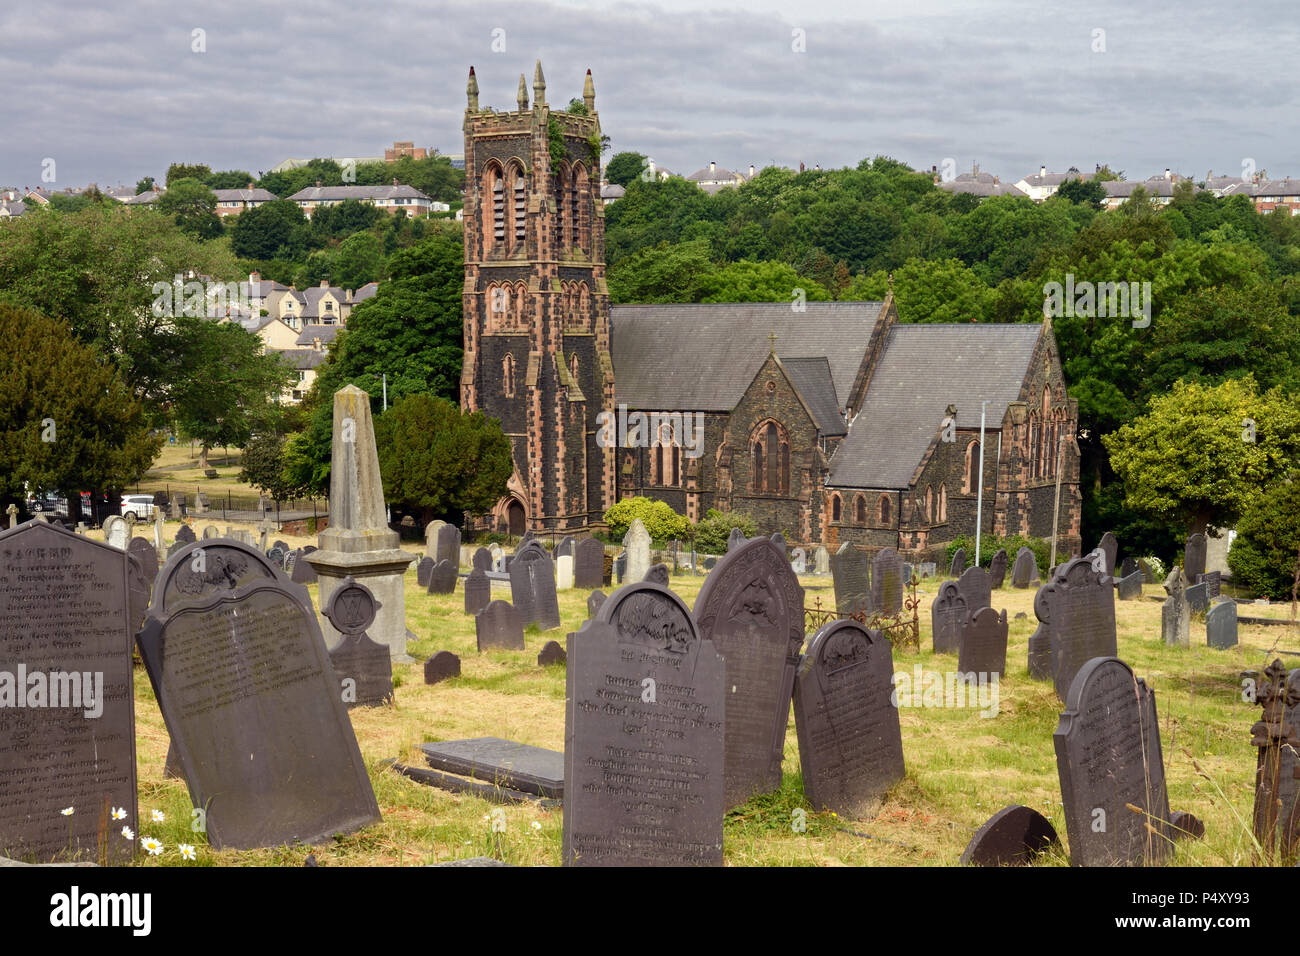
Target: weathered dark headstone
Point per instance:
(185, 535)
(751, 609)
(67, 721)
(1184, 826)
(735, 539)
(239, 667)
(997, 570)
(1082, 603)
(1110, 548)
(1108, 757)
(1129, 588)
(958, 563)
(1148, 576)
(364, 668)
(643, 735)
(1025, 571)
(1194, 556)
(620, 568)
(1197, 600)
(1175, 613)
(532, 588)
(977, 588)
(778, 539)
(1213, 581)
(1128, 566)
(852, 577)
(947, 612)
(440, 667)
(658, 574)
(1221, 625)
(566, 546)
(1040, 642)
(983, 643)
(147, 556)
(482, 559)
(422, 571)
(594, 601)
(478, 591)
(850, 742)
(499, 626)
(1014, 836)
(303, 572)
(887, 582)
(588, 563)
(442, 577)
(447, 545)
(551, 653)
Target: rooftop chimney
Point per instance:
(255, 277)
(751, 170)
(394, 180)
(324, 283)
(315, 343)
(1042, 170)
(1167, 173)
(713, 167)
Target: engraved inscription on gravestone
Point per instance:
(363, 667)
(852, 580)
(478, 591)
(1083, 620)
(977, 587)
(947, 612)
(998, 569)
(887, 581)
(983, 647)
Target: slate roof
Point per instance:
(812, 378)
(367, 291)
(925, 368)
(302, 359)
(702, 357)
(1155, 186)
(328, 193)
(12, 209)
(313, 296)
(981, 188)
(326, 334)
(244, 195)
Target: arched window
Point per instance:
(972, 468)
(561, 194)
(581, 209)
(860, 506)
(521, 306)
(758, 468)
(573, 367)
(835, 508)
(508, 376)
(521, 205)
(771, 452)
(884, 510)
(929, 504)
(943, 502)
(494, 207)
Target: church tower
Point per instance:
(536, 306)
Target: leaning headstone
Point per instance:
(1221, 625)
(431, 538)
(635, 796)
(482, 560)
(564, 572)
(751, 609)
(478, 591)
(1175, 613)
(594, 600)
(1129, 588)
(657, 574)
(1108, 758)
(442, 577)
(441, 667)
(67, 739)
(588, 564)
(1128, 566)
(636, 545)
(551, 653)
(1194, 557)
(1014, 836)
(148, 557)
(1148, 576)
(448, 545)
(116, 532)
(947, 612)
(251, 702)
(958, 563)
(1197, 600)
(1025, 571)
(852, 577)
(799, 561)
(364, 669)
(735, 539)
(499, 626)
(850, 741)
(977, 587)
(887, 582)
(821, 561)
(532, 587)
(983, 643)
(422, 572)
(1109, 547)
(998, 569)
(1082, 601)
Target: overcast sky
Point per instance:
(111, 96)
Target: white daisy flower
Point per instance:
(66, 811)
(128, 833)
(152, 844)
(187, 851)
(119, 813)
(158, 816)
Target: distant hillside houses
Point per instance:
(231, 202)
(392, 199)
(714, 177)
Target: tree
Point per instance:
(624, 167)
(661, 522)
(930, 291)
(229, 179)
(664, 273)
(193, 206)
(179, 171)
(713, 530)
(1265, 556)
(1088, 193)
(269, 230)
(68, 420)
(360, 259)
(144, 185)
(439, 460)
(262, 464)
(747, 281)
(1201, 454)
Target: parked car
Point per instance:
(139, 505)
(47, 502)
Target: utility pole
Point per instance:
(979, 501)
(1056, 512)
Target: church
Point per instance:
(830, 422)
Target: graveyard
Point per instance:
(960, 767)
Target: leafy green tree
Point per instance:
(348, 217)
(229, 179)
(1201, 454)
(269, 230)
(663, 273)
(434, 176)
(144, 185)
(747, 281)
(435, 458)
(661, 522)
(68, 420)
(284, 184)
(713, 530)
(193, 206)
(359, 259)
(262, 464)
(179, 171)
(1265, 556)
(930, 291)
(624, 167)
(63, 203)
(1088, 193)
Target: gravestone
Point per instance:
(1128, 566)
(887, 582)
(566, 546)
(852, 580)
(210, 532)
(1014, 836)
(482, 559)
(65, 617)
(983, 643)
(735, 539)
(751, 609)
(1197, 600)
(1108, 757)
(506, 764)
(532, 587)
(821, 561)
(1025, 571)
(1194, 557)
(1175, 613)
(1221, 625)
(422, 571)
(498, 558)
(1148, 576)
(997, 570)
(657, 574)
(116, 532)
(147, 556)
(431, 538)
(291, 561)
(958, 563)
(799, 561)
(12, 512)
(1213, 581)
(478, 591)
(588, 564)
(201, 503)
(499, 626)
(1082, 602)
(442, 577)
(1129, 588)
(175, 506)
(551, 653)
(364, 669)
(620, 568)
(977, 588)
(850, 741)
(594, 601)
(1110, 548)
(1040, 642)
(636, 545)
(564, 572)
(947, 612)
(441, 667)
(928, 569)
(245, 674)
(303, 572)
(448, 545)
(636, 795)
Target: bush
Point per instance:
(989, 545)
(1263, 555)
(712, 532)
(659, 519)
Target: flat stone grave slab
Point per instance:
(501, 762)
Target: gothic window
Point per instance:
(835, 507)
(581, 209)
(521, 206)
(758, 468)
(561, 206)
(884, 510)
(929, 504)
(573, 367)
(860, 505)
(508, 376)
(495, 195)
(943, 502)
(972, 468)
